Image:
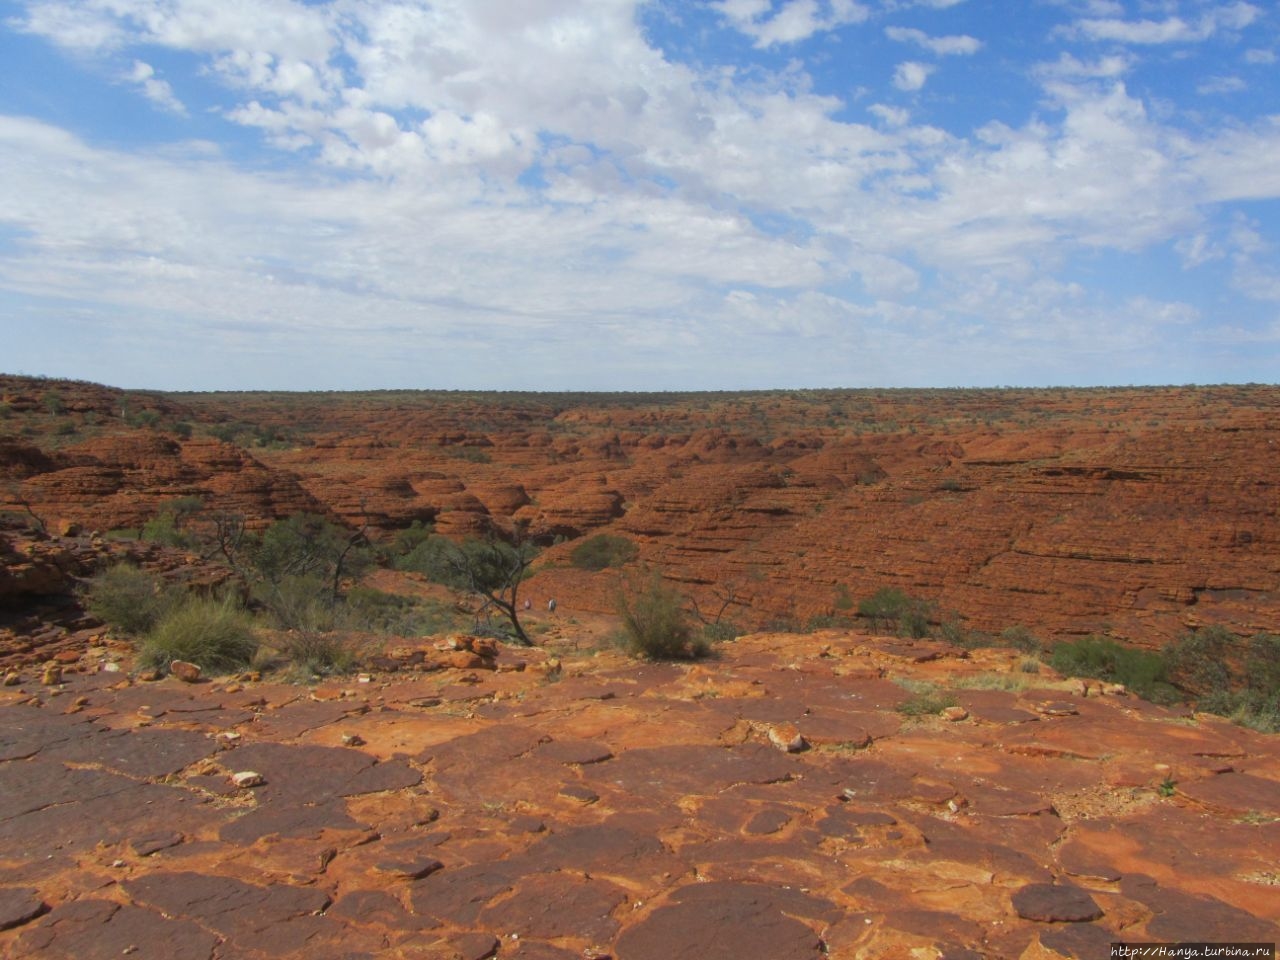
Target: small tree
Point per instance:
(656, 624)
(493, 571)
(891, 606)
(309, 546)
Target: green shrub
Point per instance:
(405, 541)
(323, 654)
(127, 599)
(602, 551)
(302, 602)
(216, 635)
(168, 526)
(1231, 678)
(1141, 671)
(432, 558)
(372, 611)
(890, 607)
(1021, 638)
(722, 630)
(926, 700)
(1198, 662)
(656, 625)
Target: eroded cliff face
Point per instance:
(1136, 512)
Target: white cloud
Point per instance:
(942, 46)
(1228, 84)
(158, 91)
(891, 116)
(1174, 29)
(794, 21)
(1068, 67)
(911, 75)
(1259, 56)
(476, 172)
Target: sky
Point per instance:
(639, 194)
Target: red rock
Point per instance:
(743, 920)
(1055, 903)
(184, 671)
(19, 905)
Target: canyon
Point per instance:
(803, 793)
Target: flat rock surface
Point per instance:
(543, 820)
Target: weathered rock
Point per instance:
(1055, 903)
(19, 905)
(244, 779)
(184, 671)
(743, 920)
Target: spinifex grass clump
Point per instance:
(216, 635)
(129, 600)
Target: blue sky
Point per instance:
(639, 194)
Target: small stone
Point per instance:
(12, 678)
(232, 688)
(1057, 708)
(787, 737)
(149, 676)
(230, 736)
(52, 675)
(81, 701)
(67, 656)
(1115, 689)
(248, 778)
(185, 671)
(955, 713)
(364, 678)
(352, 740)
(111, 667)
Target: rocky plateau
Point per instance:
(775, 801)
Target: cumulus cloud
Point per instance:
(793, 21)
(942, 46)
(1174, 29)
(471, 172)
(911, 75)
(158, 91)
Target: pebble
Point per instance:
(12, 679)
(955, 713)
(248, 778)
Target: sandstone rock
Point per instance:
(955, 713)
(12, 678)
(788, 738)
(743, 920)
(248, 778)
(19, 905)
(185, 671)
(52, 674)
(1055, 903)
